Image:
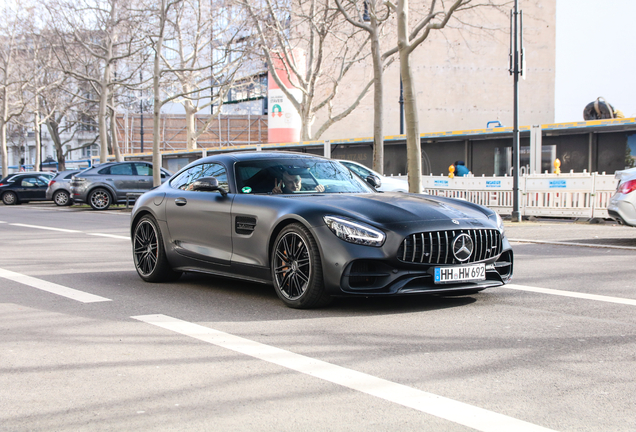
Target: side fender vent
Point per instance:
(245, 225)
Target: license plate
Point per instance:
(467, 273)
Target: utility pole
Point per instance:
(516, 69)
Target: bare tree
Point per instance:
(409, 38)
(205, 52)
(13, 76)
(99, 34)
(372, 18)
(315, 48)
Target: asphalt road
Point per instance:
(85, 344)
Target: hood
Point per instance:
(388, 208)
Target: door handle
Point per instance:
(180, 201)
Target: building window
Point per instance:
(89, 151)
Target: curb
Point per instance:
(573, 244)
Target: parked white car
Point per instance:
(622, 205)
(389, 184)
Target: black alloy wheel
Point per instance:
(149, 254)
(100, 199)
(62, 198)
(9, 198)
(297, 269)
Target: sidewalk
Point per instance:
(602, 234)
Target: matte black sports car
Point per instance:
(314, 230)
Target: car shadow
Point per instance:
(263, 304)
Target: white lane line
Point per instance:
(110, 236)
(69, 231)
(602, 298)
(445, 408)
(51, 287)
(45, 228)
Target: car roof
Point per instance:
(259, 155)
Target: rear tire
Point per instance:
(149, 254)
(100, 199)
(297, 269)
(10, 198)
(62, 198)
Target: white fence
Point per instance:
(583, 195)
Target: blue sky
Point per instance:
(595, 56)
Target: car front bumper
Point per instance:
(350, 269)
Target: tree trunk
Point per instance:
(52, 126)
(191, 132)
(3, 142)
(114, 139)
(38, 142)
(113, 129)
(101, 116)
(413, 145)
(378, 95)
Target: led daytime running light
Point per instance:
(354, 232)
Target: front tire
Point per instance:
(62, 198)
(10, 198)
(100, 199)
(149, 254)
(297, 269)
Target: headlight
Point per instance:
(499, 221)
(354, 232)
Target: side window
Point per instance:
(123, 169)
(189, 176)
(359, 170)
(28, 182)
(104, 171)
(42, 181)
(143, 169)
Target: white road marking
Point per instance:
(602, 298)
(110, 236)
(45, 228)
(69, 231)
(51, 287)
(442, 407)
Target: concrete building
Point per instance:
(462, 76)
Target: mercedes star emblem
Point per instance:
(462, 247)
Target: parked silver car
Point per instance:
(388, 184)
(110, 183)
(59, 189)
(622, 205)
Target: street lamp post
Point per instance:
(516, 69)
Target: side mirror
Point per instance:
(374, 181)
(208, 184)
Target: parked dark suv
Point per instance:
(109, 183)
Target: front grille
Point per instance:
(437, 247)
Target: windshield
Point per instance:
(297, 175)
